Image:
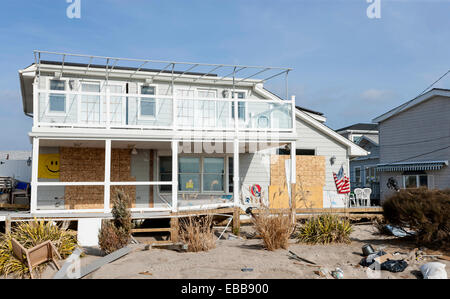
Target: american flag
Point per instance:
(342, 181)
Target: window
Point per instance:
(192, 177)
(148, 105)
(358, 174)
(371, 175)
(298, 152)
(213, 174)
(165, 173)
(415, 180)
(90, 104)
(57, 102)
(189, 174)
(357, 139)
(241, 105)
(230, 175)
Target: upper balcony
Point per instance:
(74, 95)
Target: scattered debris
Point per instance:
(70, 261)
(338, 273)
(367, 250)
(103, 261)
(296, 257)
(433, 270)
(385, 261)
(146, 273)
(247, 269)
(398, 231)
(180, 247)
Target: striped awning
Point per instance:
(412, 166)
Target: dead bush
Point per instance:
(197, 233)
(424, 211)
(325, 229)
(116, 233)
(274, 230)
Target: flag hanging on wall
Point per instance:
(342, 181)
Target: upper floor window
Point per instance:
(148, 105)
(241, 105)
(57, 102)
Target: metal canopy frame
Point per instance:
(182, 68)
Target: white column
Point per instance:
(174, 175)
(35, 103)
(107, 188)
(174, 110)
(293, 162)
(236, 188)
(34, 175)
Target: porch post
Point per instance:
(293, 179)
(174, 175)
(34, 175)
(236, 172)
(107, 188)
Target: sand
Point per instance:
(230, 256)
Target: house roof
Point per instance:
(360, 127)
(412, 166)
(411, 103)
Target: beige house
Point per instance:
(415, 143)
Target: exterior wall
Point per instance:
(310, 138)
(427, 121)
(254, 169)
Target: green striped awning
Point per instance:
(412, 166)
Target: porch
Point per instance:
(77, 176)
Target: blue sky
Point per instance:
(346, 65)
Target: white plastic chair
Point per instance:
(359, 195)
(366, 196)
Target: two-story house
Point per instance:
(363, 170)
(171, 138)
(415, 143)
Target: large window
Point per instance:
(189, 174)
(195, 174)
(213, 174)
(148, 105)
(415, 180)
(57, 102)
(371, 175)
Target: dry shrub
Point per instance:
(197, 233)
(424, 211)
(274, 230)
(116, 234)
(325, 229)
(30, 234)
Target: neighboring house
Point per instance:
(16, 164)
(363, 170)
(97, 128)
(415, 143)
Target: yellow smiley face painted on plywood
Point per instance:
(48, 166)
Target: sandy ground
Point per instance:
(230, 256)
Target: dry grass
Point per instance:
(197, 233)
(274, 230)
(325, 229)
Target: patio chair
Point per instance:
(352, 200)
(359, 196)
(366, 196)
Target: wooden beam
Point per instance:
(174, 229)
(150, 230)
(14, 206)
(236, 221)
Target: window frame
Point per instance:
(360, 174)
(155, 100)
(245, 92)
(50, 112)
(417, 180)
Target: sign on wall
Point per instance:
(48, 166)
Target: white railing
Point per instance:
(125, 111)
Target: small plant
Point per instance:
(424, 211)
(116, 233)
(274, 230)
(325, 229)
(197, 233)
(30, 234)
